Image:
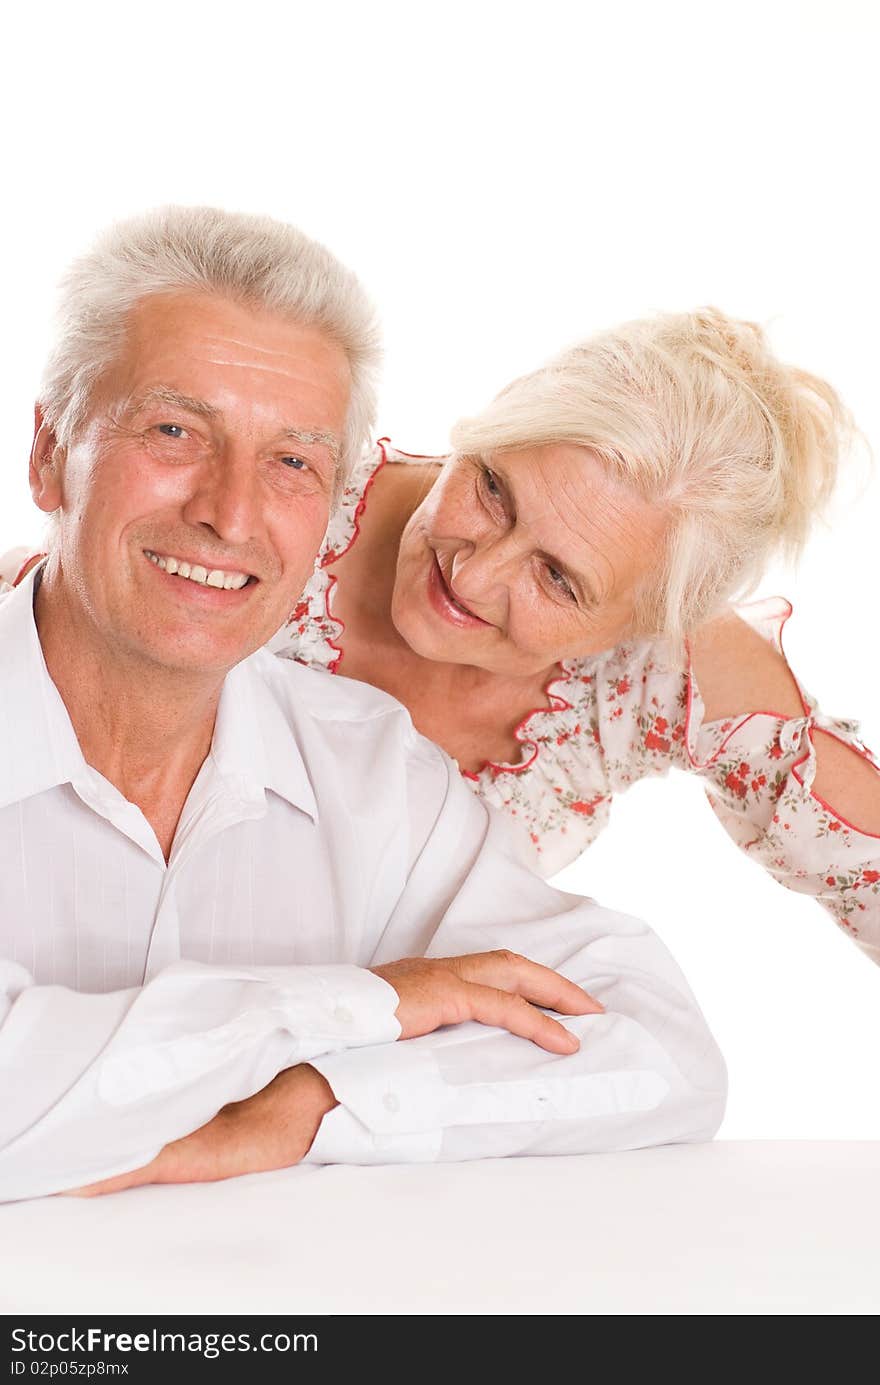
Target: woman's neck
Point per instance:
(366, 574)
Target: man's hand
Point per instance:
(276, 1127)
(270, 1130)
(495, 988)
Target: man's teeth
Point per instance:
(229, 581)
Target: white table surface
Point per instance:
(733, 1228)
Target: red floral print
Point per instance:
(631, 713)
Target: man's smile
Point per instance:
(198, 586)
(227, 579)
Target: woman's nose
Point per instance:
(481, 571)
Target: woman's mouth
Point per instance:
(447, 605)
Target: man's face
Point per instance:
(212, 447)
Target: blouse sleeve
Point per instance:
(758, 771)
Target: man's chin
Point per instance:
(197, 651)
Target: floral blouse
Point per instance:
(635, 711)
(623, 715)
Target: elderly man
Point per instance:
(211, 859)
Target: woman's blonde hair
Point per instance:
(694, 412)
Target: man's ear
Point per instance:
(45, 465)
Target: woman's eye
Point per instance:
(491, 484)
(560, 581)
(295, 463)
(171, 430)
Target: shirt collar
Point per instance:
(254, 747)
(254, 743)
(39, 748)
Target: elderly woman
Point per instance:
(552, 601)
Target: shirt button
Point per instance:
(342, 1015)
(391, 1102)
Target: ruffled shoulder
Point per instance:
(588, 698)
(706, 742)
(555, 795)
(311, 634)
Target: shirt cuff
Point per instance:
(392, 1101)
(320, 1009)
(343, 1139)
(395, 1103)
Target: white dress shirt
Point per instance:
(321, 836)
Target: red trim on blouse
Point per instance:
(555, 703)
(779, 716)
(416, 456)
(333, 557)
(26, 567)
(865, 755)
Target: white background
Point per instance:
(507, 179)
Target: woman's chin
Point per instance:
(429, 635)
(428, 643)
(450, 647)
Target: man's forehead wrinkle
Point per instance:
(232, 351)
(221, 339)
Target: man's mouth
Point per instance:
(221, 578)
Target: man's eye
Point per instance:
(295, 463)
(171, 430)
(560, 581)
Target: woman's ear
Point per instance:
(45, 465)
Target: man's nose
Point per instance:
(226, 497)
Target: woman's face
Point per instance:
(523, 558)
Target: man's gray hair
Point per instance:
(251, 259)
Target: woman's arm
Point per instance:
(737, 671)
(795, 789)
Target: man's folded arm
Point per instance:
(647, 1072)
(93, 1085)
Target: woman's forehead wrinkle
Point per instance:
(577, 526)
(623, 522)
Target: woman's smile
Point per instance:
(528, 541)
(447, 605)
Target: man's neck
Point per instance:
(145, 728)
